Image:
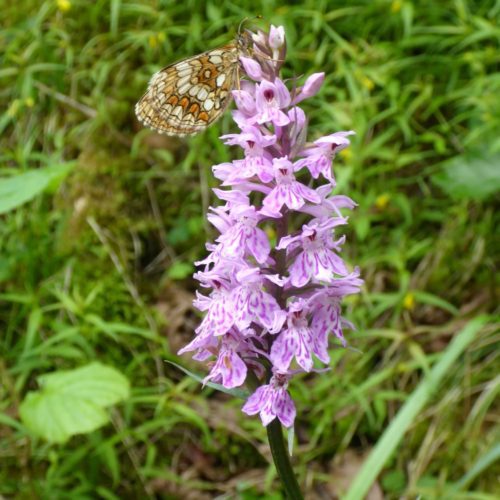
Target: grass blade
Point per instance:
(394, 433)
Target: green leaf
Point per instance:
(434, 300)
(237, 393)
(476, 176)
(20, 188)
(11, 422)
(180, 270)
(394, 481)
(72, 402)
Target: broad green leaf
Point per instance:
(57, 416)
(72, 402)
(474, 176)
(20, 188)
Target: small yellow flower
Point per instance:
(367, 83)
(153, 41)
(409, 301)
(161, 37)
(382, 201)
(29, 102)
(346, 153)
(14, 108)
(64, 5)
(396, 6)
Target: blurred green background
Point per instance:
(102, 220)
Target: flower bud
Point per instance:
(252, 68)
(313, 84)
(276, 37)
(310, 88)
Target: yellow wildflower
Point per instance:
(396, 6)
(382, 201)
(153, 41)
(409, 301)
(63, 5)
(367, 83)
(346, 153)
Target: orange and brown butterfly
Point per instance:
(188, 96)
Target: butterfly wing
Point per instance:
(186, 97)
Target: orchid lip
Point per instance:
(269, 95)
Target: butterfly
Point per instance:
(189, 95)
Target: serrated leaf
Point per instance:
(20, 188)
(72, 402)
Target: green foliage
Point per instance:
(23, 187)
(102, 221)
(237, 393)
(391, 438)
(73, 401)
(475, 177)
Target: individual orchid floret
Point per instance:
(220, 217)
(326, 318)
(244, 237)
(257, 161)
(325, 306)
(295, 341)
(318, 158)
(272, 401)
(251, 139)
(220, 311)
(253, 304)
(229, 367)
(270, 100)
(317, 260)
(288, 191)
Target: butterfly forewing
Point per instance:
(186, 97)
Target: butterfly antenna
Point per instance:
(245, 19)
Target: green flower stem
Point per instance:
(282, 460)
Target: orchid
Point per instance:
(274, 276)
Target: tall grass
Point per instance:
(97, 267)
